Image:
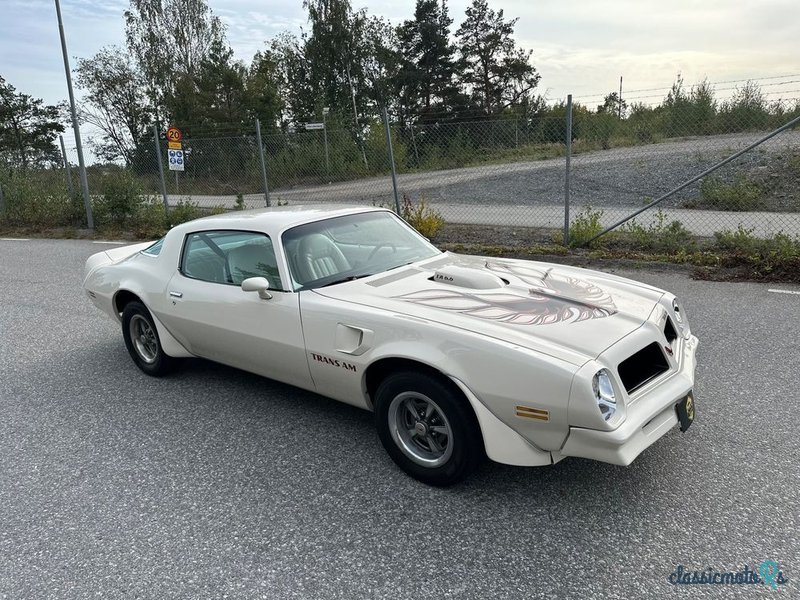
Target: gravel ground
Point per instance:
(619, 177)
(616, 181)
(214, 483)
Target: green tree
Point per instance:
(28, 128)
(169, 40)
(613, 105)
(263, 89)
(330, 53)
(115, 102)
(221, 91)
(428, 64)
(497, 72)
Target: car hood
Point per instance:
(571, 313)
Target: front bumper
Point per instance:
(648, 418)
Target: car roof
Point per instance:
(273, 219)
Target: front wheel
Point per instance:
(142, 341)
(427, 428)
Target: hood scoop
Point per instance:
(466, 277)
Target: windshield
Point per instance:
(345, 248)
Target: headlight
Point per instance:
(680, 318)
(604, 393)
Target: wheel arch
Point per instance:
(170, 345)
(377, 371)
(383, 367)
(122, 298)
(500, 442)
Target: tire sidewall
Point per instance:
(161, 365)
(466, 437)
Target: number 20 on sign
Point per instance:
(174, 134)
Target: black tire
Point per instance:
(446, 447)
(142, 341)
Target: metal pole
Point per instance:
(87, 202)
(160, 169)
(568, 142)
(414, 142)
(689, 182)
(355, 115)
(325, 136)
(619, 107)
(2, 200)
(391, 160)
(263, 162)
(66, 166)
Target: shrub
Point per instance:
(585, 226)
(120, 200)
(659, 235)
(150, 221)
(39, 199)
(741, 195)
(428, 221)
(183, 212)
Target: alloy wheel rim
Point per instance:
(420, 429)
(144, 339)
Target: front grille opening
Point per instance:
(669, 331)
(647, 364)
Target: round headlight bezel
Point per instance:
(604, 394)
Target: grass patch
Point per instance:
(741, 195)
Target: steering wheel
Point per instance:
(379, 246)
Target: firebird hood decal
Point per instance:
(551, 299)
(540, 308)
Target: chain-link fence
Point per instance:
(506, 172)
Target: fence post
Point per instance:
(160, 169)
(568, 153)
(263, 162)
(414, 143)
(87, 199)
(325, 139)
(391, 160)
(2, 200)
(66, 166)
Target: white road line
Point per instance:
(111, 243)
(794, 292)
(15, 239)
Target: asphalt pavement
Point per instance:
(214, 483)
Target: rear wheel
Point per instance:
(142, 341)
(427, 428)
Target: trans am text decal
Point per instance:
(334, 362)
(550, 299)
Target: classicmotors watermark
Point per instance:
(768, 573)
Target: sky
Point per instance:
(580, 47)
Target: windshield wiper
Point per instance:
(348, 278)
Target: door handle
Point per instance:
(176, 294)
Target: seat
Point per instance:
(253, 260)
(318, 257)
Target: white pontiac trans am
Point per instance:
(459, 357)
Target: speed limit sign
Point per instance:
(174, 134)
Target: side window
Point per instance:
(230, 257)
(154, 249)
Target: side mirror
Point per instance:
(257, 284)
